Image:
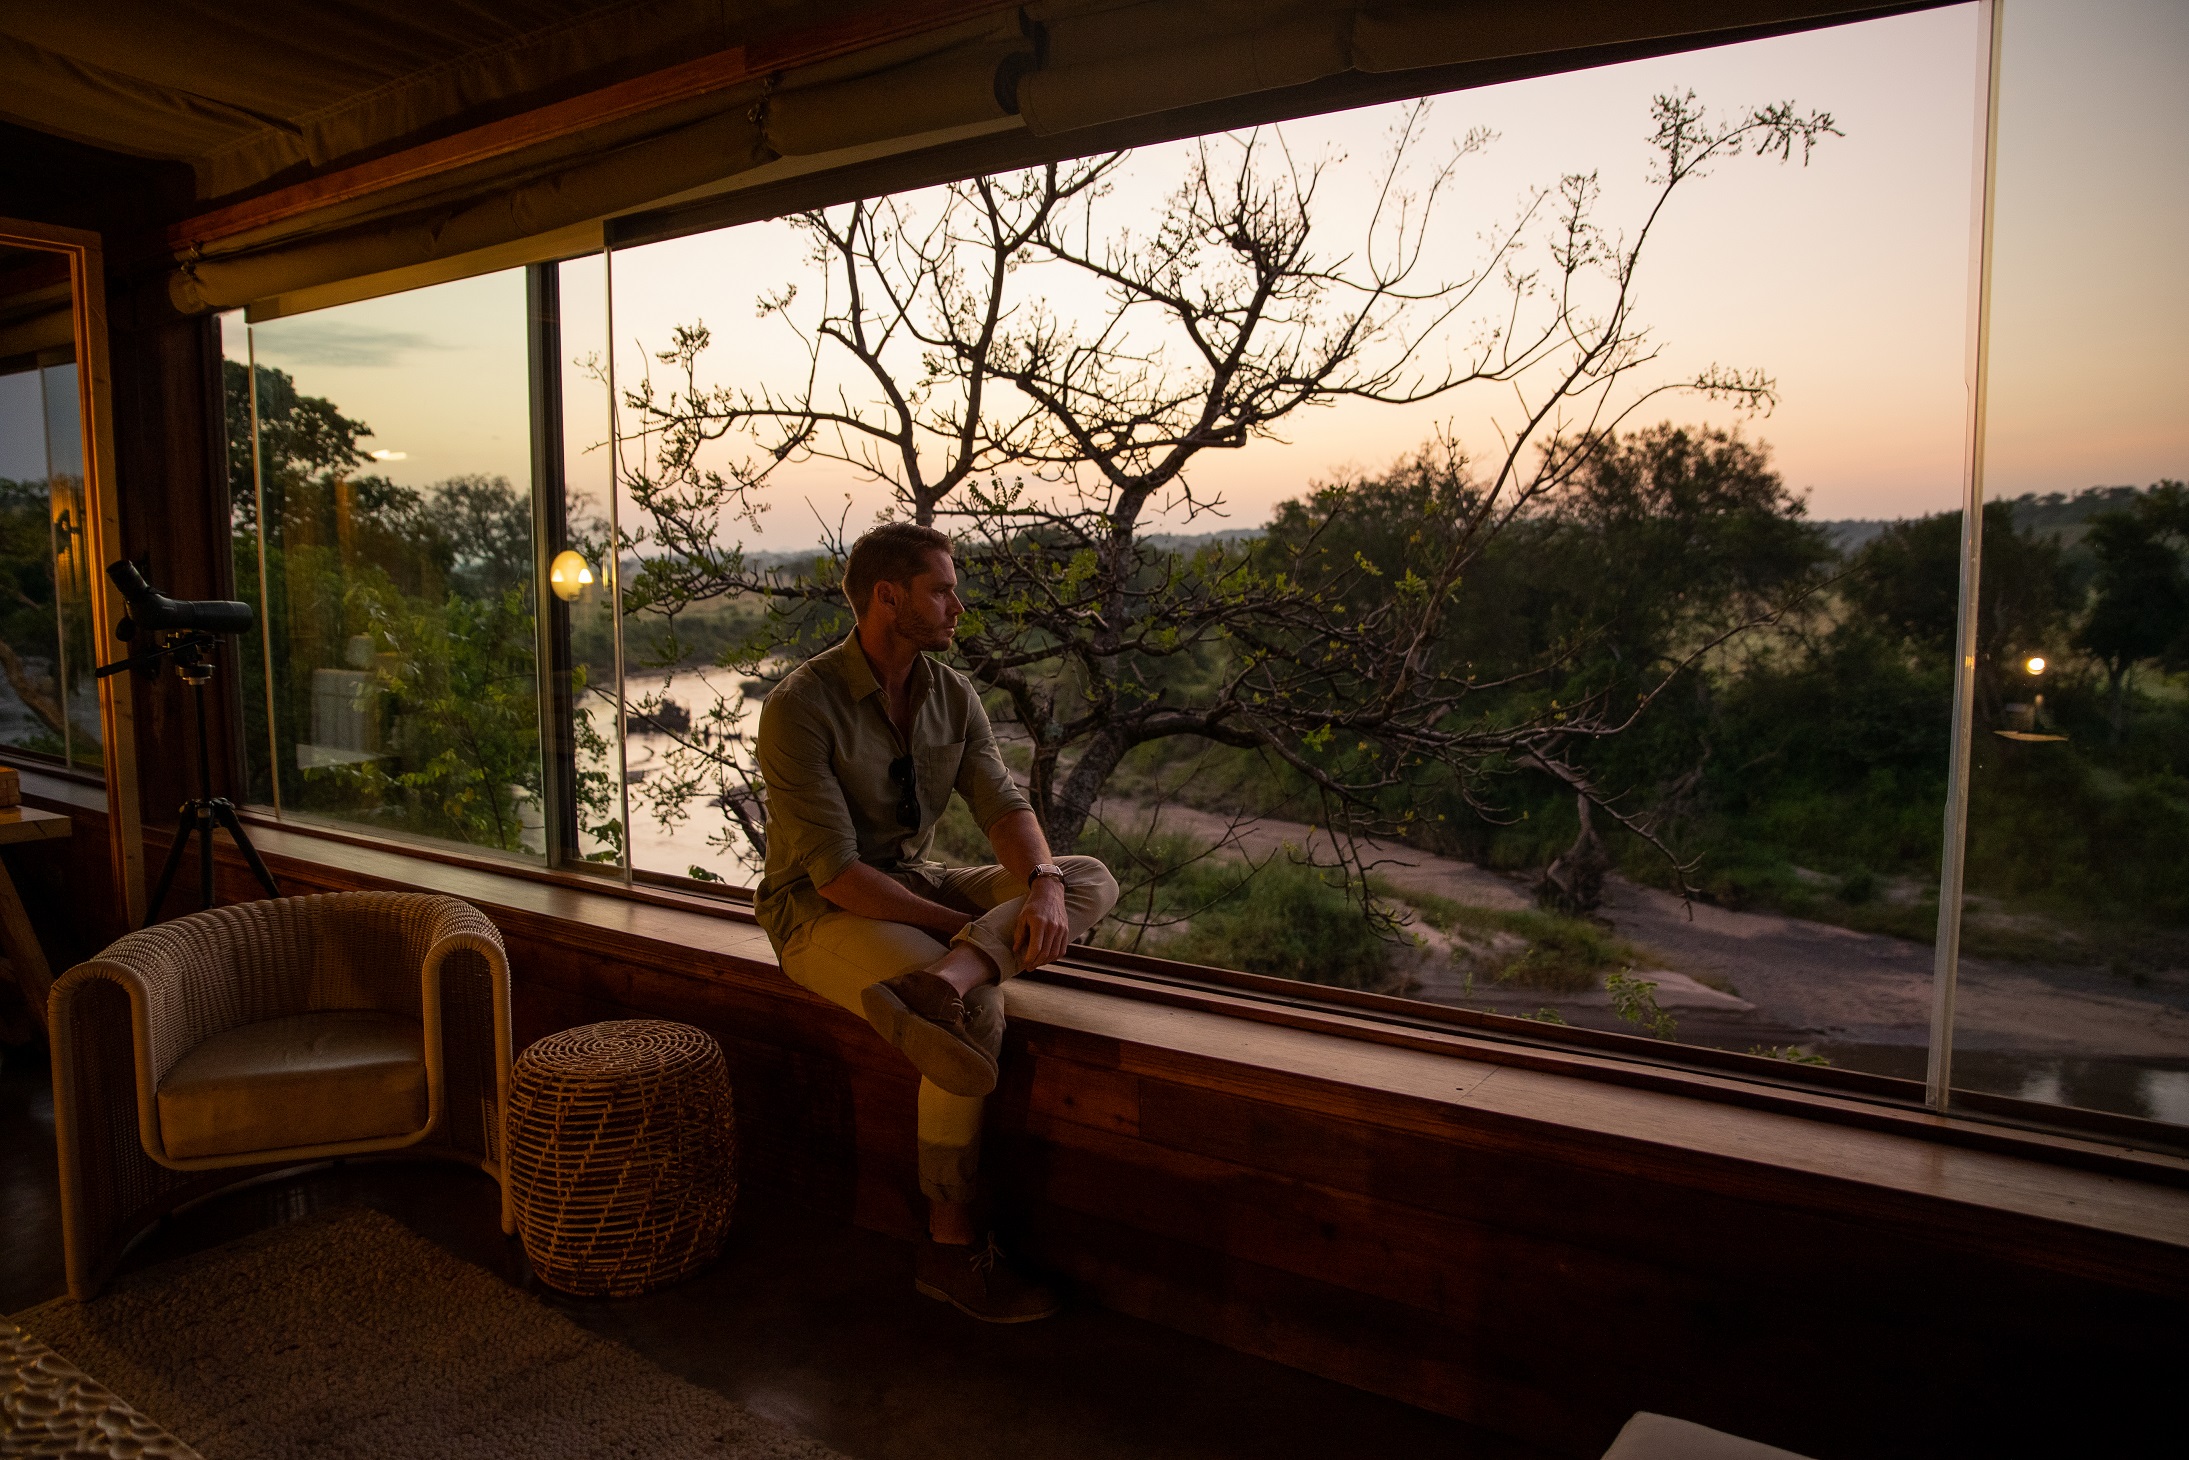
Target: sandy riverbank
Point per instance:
(1742, 978)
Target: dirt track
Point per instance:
(1737, 978)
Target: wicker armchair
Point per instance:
(218, 1047)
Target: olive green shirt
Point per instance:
(825, 747)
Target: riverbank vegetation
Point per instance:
(1797, 765)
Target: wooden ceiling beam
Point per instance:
(874, 26)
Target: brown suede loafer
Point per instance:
(984, 1020)
(924, 1018)
(980, 1282)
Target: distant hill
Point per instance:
(2063, 516)
(1166, 541)
(1186, 542)
(2066, 515)
(1849, 534)
(794, 557)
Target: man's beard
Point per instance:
(928, 634)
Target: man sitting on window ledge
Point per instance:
(860, 748)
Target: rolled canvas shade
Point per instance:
(1108, 61)
(897, 91)
(943, 79)
(1064, 65)
(471, 214)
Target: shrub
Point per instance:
(1288, 921)
(1554, 952)
(1635, 1000)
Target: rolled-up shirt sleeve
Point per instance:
(806, 807)
(983, 779)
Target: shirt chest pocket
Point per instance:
(938, 767)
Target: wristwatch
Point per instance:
(1045, 869)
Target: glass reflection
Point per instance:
(391, 441)
(49, 703)
(583, 614)
(1794, 768)
(2074, 980)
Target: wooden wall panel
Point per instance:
(1542, 1282)
(1550, 1301)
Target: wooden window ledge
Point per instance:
(2120, 1214)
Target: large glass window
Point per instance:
(2075, 932)
(381, 470)
(1449, 550)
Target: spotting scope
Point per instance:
(152, 609)
(188, 632)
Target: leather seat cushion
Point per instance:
(304, 1080)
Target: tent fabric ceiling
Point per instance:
(254, 93)
(245, 91)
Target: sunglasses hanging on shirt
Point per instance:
(908, 799)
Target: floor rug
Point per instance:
(349, 1335)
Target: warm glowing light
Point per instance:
(2036, 664)
(389, 455)
(568, 575)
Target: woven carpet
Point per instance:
(348, 1335)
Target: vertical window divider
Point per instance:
(1946, 956)
(612, 570)
(550, 535)
(265, 583)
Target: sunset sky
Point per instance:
(1847, 279)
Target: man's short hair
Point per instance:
(895, 552)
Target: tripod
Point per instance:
(196, 818)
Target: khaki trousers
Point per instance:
(839, 954)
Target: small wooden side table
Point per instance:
(26, 824)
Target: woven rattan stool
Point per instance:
(622, 1155)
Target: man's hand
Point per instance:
(1042, 934)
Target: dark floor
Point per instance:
(813, 1325)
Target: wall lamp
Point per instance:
(568, 575)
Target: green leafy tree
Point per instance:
(300, 438)
(424, 598)
(1907, 583)
(1602, 595)
(2139, 607)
